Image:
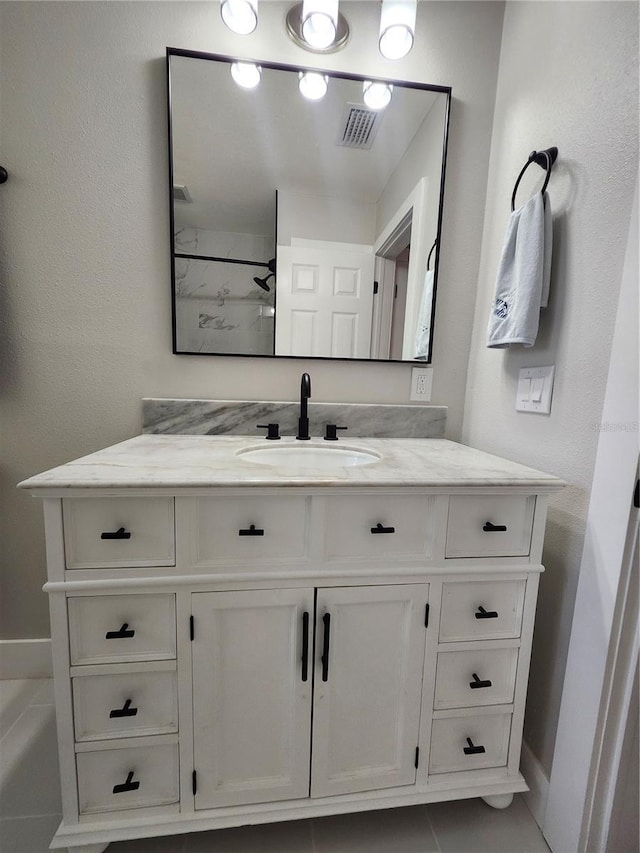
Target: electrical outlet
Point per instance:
(421, 381)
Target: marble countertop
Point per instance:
(200, 461)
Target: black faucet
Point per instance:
(303, 420)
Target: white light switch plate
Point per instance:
(421, 381)
(535, 385)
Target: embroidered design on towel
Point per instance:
(501, 309)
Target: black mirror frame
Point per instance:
(194, 54)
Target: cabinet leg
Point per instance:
(498, 801)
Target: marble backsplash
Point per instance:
(239, 417)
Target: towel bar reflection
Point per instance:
(545, 159)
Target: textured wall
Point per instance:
(568, 77)
(85, 323)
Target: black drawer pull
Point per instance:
(379, 528)
(326, 619)
(129, 785)
(473, 750)
(121, 533)
(252, 530)
(493, 528)
(125, 711)
(478, 682)
(481, 613)
(305, 646)
(124, 633)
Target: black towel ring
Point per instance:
(3, 175)
(431, 252)
(545, 159)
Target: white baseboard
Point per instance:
(25, 659)
(538, 782)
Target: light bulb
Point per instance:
(241, 16)
(397, 27)
(319, 22)
(246, 74)
(376, 96)
(313, 85)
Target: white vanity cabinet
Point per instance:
(239, 652)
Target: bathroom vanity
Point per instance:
(240, 640)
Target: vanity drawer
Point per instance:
(380, 527)
(251, 529)
(481, 610)
(110, 628)
(475, 677)
(118, 532)
(127, 778)
(489, 526)
(484, 736)
(125, 704)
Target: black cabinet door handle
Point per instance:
(123, 633)
(121, 533)
(481, 613)
(125, 711)
(129, 785)
(493, 528)
(379, 528)
(252, 530)
(478, 682)
(305, 646)
(473, 750)
(326, 620)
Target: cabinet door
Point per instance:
(252, 704)
(370, 644)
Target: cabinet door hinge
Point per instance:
(375, 287)
(417, 756)
(194, 782)
(426, 616)
(191, 629)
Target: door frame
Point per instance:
(584, 715)
(408, 226)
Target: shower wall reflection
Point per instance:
(219, 307)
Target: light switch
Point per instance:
(535, 385)
(524, 390)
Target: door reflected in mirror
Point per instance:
(303, 227)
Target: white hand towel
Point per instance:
(423, 326)
(522, 285)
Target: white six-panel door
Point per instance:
(367, 687)
(324, 301)
(252, 708)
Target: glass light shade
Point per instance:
(376, 96)
(313, 85)
(246, 74)
(397, 27)
(241, 16)
(319, 22)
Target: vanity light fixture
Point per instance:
(397, 27)
(241, 16)
(313, 85)
(246, 74)
(317, 26)
(376, 96)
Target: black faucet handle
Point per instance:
(331, 432)
(273, 431)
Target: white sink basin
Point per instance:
(303, 455)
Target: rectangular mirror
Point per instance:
(304, 228)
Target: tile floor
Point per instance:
(30, 807)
